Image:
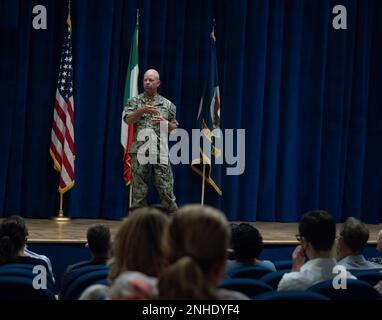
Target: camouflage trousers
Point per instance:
(143, 174)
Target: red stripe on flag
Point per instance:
(58, 133)
(69, 140)
(126, 156)
(68, 166)
(60, 111)
(70, 111)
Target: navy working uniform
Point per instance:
(161, 173)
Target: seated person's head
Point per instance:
(132, 285)
(13, 237)
(247, 242)
(379, 241)
(96, 292)
(99, 240)
(197, 243)
(317, 231)
(353, 238)
(138, 244)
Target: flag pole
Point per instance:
(130, 195)
(131, 186)
(61, 217)
(203, 183)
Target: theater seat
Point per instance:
(73, 275)
(371, 277)
(249, 287)
(291, 295)
(24, 271)
(273, 278)
(356, 290)
(283, 264)
(84, 281)
(21, 288)
(251, 272)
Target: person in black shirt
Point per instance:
(99, 243)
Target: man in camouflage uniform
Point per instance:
(147, 111)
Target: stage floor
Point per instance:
(74, 231)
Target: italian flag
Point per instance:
(131, 90)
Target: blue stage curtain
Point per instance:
(309, 97)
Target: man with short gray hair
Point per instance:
(351, 243)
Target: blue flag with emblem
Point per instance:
(209, 122)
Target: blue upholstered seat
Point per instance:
(355, 290)
(291, 295)
(249, 287)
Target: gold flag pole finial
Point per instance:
(69, 20)
(213, 30)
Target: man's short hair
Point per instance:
(355, 234)
(247, 241)
(319, 228)
(99, 239)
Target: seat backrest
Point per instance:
(291, 295)
(371, 277)
(249, 287)
(283, 264)
(73, 275)
(273, 278)
(249, 272)
(20, 270)
(355, 290)
(21, 288)
(84, 281)
(17, 265)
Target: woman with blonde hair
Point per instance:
(138, 245)
(197, 242)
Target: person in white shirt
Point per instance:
(378, 260)
(351, 242)
(317, 232)
(379, 241)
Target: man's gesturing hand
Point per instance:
(150, 110)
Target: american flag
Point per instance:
(62, 138)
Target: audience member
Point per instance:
(352, 240)
(99, 243)
(197, 243)
(378, 260)
(132, 285)
(138, 245)
(28, 253)
(378, 287)
(247, 244)
(13, 238)
(317, 231)
(96, 292)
